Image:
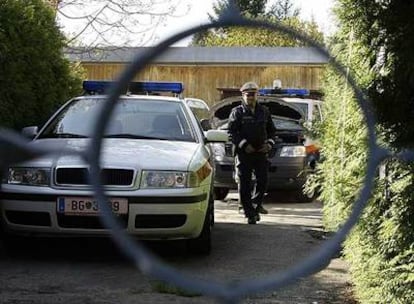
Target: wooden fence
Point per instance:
(203, 81)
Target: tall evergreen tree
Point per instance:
(283, 9)
(251, 8)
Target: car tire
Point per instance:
(202, 244)
(2, 232)
(220, 193)
(212, 212)
(11, 244)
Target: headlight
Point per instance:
(218, 149)
(167, 179)
(29, 176)
(293, 151)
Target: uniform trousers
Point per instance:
(246, 165)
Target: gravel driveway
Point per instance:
(75, 271)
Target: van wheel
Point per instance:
(220, 193)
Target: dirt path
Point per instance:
(94, 272)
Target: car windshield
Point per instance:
(286, 124)
(132, 118)
(280, 123)
(315, 114)
(302, 106)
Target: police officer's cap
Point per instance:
(250, 86)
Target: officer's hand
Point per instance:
(249, 149)
(265, 148)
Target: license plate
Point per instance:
(89, 206)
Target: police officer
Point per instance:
(252, 132)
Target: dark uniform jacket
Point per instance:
(246, 127)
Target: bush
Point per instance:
(35, 77)
(381, 249)
(375, 40)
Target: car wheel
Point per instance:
(202, 244)
(10, 244)
(220, 193)
(211, 205)
(2, 232)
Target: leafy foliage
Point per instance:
(381, 249)
(281, 11)
(34, 76)
(343, 141)
(374, 40)
(254, 8)
(239, 36)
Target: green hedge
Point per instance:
(381, 248)
(375, 39)
(35, 78)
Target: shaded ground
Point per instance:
(93, 271)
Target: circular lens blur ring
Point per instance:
(231, 291)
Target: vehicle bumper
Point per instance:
(290, 175)
(170, 216)
(286, 174)
(224, 176)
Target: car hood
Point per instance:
(123, 153)
(277, 107)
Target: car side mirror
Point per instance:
(30, 132)
(205, 124)
(216, 136)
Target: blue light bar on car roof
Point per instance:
(151, 86)
(100, 87)
(290, 92)
(96, 87)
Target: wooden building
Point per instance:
(206, 71)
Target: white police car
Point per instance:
(155, 165)
(292, 161)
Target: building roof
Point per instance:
(206, 55)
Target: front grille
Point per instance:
(291, 137)
(226, 167)
(87, 222)
(117, 177)
(228, 147)
(28, 218)
(72, 176)
(80, 176)
(160, 220)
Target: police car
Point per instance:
(156, 170)
(292, 159)
(312, 113)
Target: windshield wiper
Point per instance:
(63, 135)
(133, 136)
